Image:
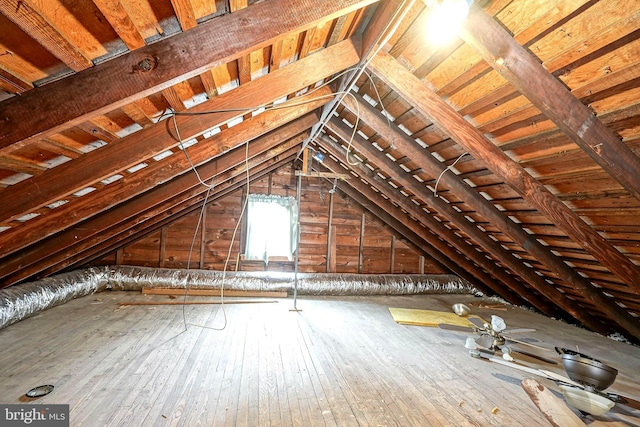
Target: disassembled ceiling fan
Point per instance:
(494, 337)
(587, 378)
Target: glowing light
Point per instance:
(446, 20)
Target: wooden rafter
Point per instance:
(432, 106)
(157, 66)
(548, 94)
(73, 240)
(25, 16)
(129, 151)
(121, 22)
(443, 250)
(164, 217)
(144, 180)
(389, 168)
(473, 199)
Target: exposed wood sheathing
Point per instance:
(536, 104)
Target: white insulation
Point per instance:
(21, 301)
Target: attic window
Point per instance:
(271, 227)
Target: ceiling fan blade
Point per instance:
(479, 323)
(518, 331)
(485, 341)
(456, 328)
(535, 356)
(526, 343)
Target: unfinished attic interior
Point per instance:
(232, 212)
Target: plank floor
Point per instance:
(341, 361)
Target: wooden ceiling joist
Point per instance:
(432, 106)
(152, 68)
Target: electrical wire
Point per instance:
(361, 68)
(435, 187)
(193, 241)
(386, 116)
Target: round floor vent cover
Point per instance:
(40, 391)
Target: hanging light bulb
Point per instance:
(445, 21)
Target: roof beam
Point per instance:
(387, 16)
(144, 224)
(543, 297)
(34, 23)
(439, 249)
(433, 167)
(432, 106)
(58, 250)
(99, 164)
(146, 179)
(549, 95)
(513, 286)
(157, 66)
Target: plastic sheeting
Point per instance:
(21, 301)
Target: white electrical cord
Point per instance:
(435, 187)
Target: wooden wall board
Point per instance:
(223, 214)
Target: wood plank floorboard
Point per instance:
(341, 361)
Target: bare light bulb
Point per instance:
(446, 20)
